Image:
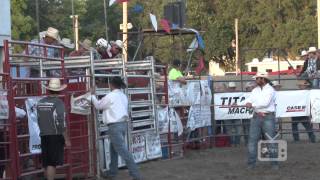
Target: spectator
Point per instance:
(68, 46)
(115, 114)
(110, 49)
(84, 49)
(304, 120)
(276, 85)
(233, 126)
(51, 118)
(311, 67)
(262, 100)
(175, 73)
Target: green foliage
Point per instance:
(287, 24)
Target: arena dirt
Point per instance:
(230, 164)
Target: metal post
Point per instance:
(237, 46)
(125, 31)
(318, 11)
(105, 18)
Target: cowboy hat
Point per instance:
(53, 33)
(276, 83)
(312, 50)
(303, 83)
(55, 85)
(232, 85)
(263, 75)
(86, 44)
(303, 53)
(250, 84)
(66, 42)
(118, 43)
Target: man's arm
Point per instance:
(104, 103)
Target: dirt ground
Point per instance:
(230, 164)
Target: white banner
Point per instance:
(153, 145)
(81, 105)
(293, 103)
(139, 148)
(223, 101)
(315, 106)
(4, 107)
(34, 130)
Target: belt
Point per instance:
(264, 113)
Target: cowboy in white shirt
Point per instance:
(262, 100)
(115, 114)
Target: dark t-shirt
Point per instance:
(51, 116)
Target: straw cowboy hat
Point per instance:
(303, 53)
(263, 75)
(66, 42)
(276, 84)
(232, 85)
(118, 43)
(53, 33)
(55, 85)
(86, 44)
(303, 83)
(312, 50)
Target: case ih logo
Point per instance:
(296, 108)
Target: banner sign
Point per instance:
(153, 145)
(315, 106)
(223, 109)
(293, 103)
(34, 130)
(139, 148)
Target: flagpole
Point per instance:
(237, 46)
(125, 31)
(318, 12)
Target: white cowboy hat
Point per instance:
(304, 53)
(53, 33)
(55, 85)
(119, 43)
(263, 75)
(312, 50)
(87, 44)
(232, 85)
(276, 83)
(303, 83)
(250, 84)
(66, 42)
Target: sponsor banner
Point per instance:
(223, 109)
(153, 145)
(293, 103)
(315, 106)
(34, 130)
(139, 147)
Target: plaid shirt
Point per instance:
(39, 51)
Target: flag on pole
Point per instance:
(200, 66)
(154, 22)
(165, 25)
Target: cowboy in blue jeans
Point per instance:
(115, 114)
(262, 100)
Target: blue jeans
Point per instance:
(117, 132)
(233, 128)
(307, 125)
(246, 128)
(259, 124)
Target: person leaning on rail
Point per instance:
(262, 100)
(304, 120)
(175, 73)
